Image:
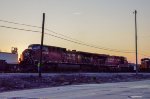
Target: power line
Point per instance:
(62, 35)
(66, 39)
(78, 41)
(37, 27)
(18, 28)
(19, 24)
(71, 39)
(144, 54)
(88, 45)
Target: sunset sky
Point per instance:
(107, 24)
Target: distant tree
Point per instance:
(14, 50)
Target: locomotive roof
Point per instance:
(46, 46)
(92, 53)
(143, 59)
(117, 56)
(6, 53)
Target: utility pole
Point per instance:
(41, 47)
(136, 50)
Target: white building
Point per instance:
(10, 58)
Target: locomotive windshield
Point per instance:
(34, 47)
(37, 47)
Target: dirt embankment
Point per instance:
(9, 83)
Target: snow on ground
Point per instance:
(20, 81)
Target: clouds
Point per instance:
(76, 13)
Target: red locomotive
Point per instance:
(57, 58)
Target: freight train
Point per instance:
(60, 59)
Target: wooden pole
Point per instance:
(41, 47)
(136, 49)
